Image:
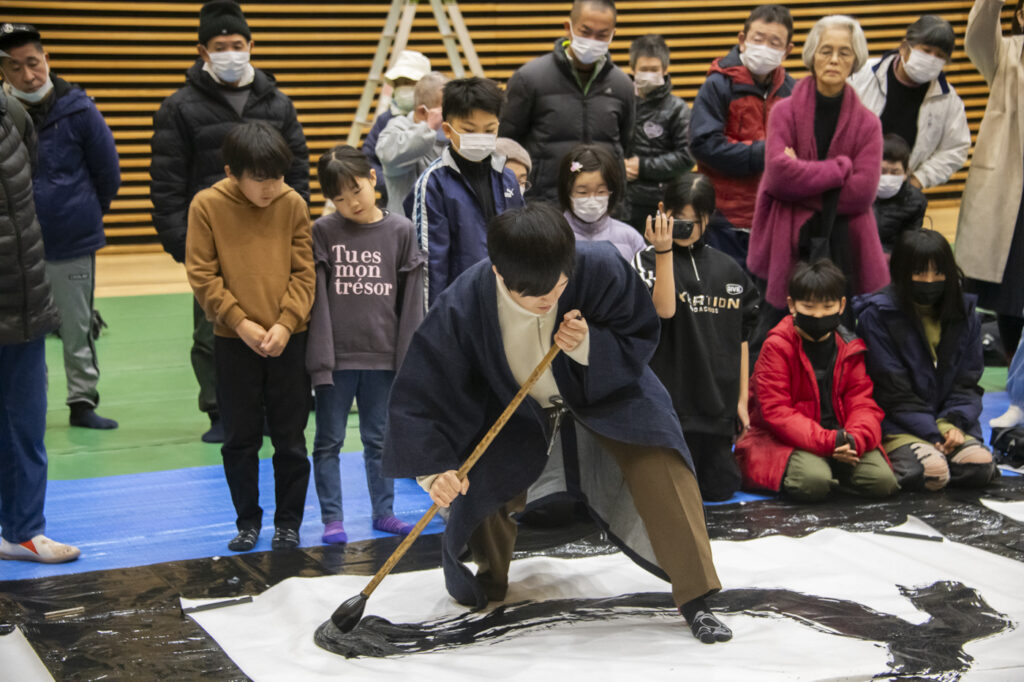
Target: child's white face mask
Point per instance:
(589, 209)
(889, 185)
(476, 146)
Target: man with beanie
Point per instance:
(573, 95)
(76, 177)
(222, 89)
(27, 315)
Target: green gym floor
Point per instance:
(147, 385)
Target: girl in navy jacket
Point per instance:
(925, 359)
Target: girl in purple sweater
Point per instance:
(369, 301)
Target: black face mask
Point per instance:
(927, 293)
(682, 229)
(816, 327)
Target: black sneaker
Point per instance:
(285, 538)
(216, 432)
(245, 540)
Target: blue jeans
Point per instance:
(22, 453)
(371, 389)
(1015, 378)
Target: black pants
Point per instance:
(248, 385)
(718, 474)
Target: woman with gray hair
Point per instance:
(908, 90)
(823, 157)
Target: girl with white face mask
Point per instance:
(590, 184)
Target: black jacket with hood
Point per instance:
(188, 131)
(549, 111)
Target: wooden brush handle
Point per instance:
(464, 469)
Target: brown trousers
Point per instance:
(668, 500)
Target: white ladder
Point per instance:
(395, 37)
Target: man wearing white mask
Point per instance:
(908, 90)
(75, 179)
(222, 89)
(572, 95)
(410, 67)
(730, 122)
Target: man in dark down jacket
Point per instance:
(730, 122)
(27, 314)
(572, 95)
(661, 141)
(221, 90)
(76, 177)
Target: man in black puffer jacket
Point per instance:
(27, 314)
(221, 90)
(571, 96)
(661, 141)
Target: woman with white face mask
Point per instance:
(590, 186)
(908, 90)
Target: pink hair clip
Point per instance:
(575, 167)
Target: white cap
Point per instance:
(411, 64)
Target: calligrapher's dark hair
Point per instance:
(531, 247)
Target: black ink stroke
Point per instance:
(933, 650)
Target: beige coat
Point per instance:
(992, 195)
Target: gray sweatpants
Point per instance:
(73, 282)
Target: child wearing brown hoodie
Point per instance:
(249, 260)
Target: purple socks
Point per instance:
(391, 524)
(334, 533)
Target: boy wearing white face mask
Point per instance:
(730, 122)
(221, 90)
(908, 91)
(590, 186)
(573, 94)
(661, 140)
(900, 206)
(458, 193)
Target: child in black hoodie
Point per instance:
(708, 307)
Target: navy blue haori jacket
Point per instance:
(455, 381)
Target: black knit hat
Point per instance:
(221, 18)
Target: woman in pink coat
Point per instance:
(823, 158)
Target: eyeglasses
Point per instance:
(583, 193)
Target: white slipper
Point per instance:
(1014, 416)
(40, 548)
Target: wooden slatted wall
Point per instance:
(131, 55)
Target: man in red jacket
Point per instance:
(813, 423)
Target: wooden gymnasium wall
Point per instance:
(131, 55)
